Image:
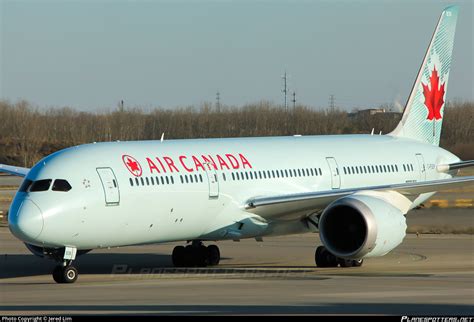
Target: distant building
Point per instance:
(373, 111)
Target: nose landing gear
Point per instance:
(66, 273)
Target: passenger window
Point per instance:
(25, 185)
(41, 185)
(137, 182)
(64, 186)
(131, 181)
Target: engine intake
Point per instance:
(361, 226)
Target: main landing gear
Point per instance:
(324, 258)
(196, 255)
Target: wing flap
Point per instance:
(306, 202)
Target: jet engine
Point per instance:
(360, 226)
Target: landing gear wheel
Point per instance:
(214, 255)
(189, 256)
(178, 256)
(57, 274)
(324, 258)
(66, 274)
(345, 262)
(201, 256)
(70, 274)
(357, 262)
(196, 255)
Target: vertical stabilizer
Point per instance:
(423, 115)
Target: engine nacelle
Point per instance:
(361, 226)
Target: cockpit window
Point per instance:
(41, 185)
(25, 185)
(61, 185)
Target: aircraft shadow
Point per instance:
(30, 265)
(22, 265)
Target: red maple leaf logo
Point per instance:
(132, 165)
(434, 98)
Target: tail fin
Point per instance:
(423, 115)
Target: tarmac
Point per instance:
(426, 275)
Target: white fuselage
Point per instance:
(160, 203)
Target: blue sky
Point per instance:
(91, 54)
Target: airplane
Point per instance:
(354, 190)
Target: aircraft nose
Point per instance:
(27, 222)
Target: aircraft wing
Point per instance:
(16, 171)
(281, 205)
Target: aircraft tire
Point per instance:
(178, 256)
(57, 274)
(69, 274)
(214, 255)
(324, 258)
(345, 262)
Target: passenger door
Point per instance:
(110, 185)
(213, 183)
(421, 166)
(335, 176)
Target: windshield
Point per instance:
(40, 185)
(61, 185)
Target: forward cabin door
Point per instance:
(335, 176)
(110, 185)
(421, 166)
(213, 182)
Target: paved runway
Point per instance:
(429, 274)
